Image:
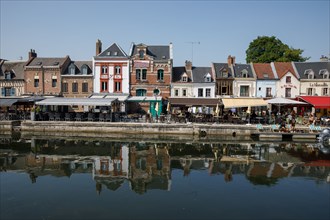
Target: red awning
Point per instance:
(317, 101)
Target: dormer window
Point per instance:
(244, 73)
(309, 73)
(115, 53)
(324, 73)
(184, 77)
(224, 74)
(207, 77)
(8, 75)
(141, 54)
(84, 70)
(72, 69)
(265, 75)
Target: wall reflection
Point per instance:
(149, 165)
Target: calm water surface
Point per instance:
(70, 178)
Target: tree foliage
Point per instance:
(270, 49)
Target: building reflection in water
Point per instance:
(148, 166)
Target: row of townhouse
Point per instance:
(147, 76)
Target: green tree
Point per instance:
(266, 49)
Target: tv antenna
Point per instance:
(192, 49)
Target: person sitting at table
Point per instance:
(282, 127)
(311, 119)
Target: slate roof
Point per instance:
(47, 61)
(220, 66)
(113, 51)
(78, 65)
(177, 73)
(262, 69)
(283, 68)
(316, 67)
(199, 74)
(238, 68)
(15, 67)
(159, 52)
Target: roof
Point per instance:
(317, 101)
(76, 101)
(219, 67)
(303, 68)
(113, 51)
(243, 102)
(158, 52)
(48, 61)
(8, 102)
(240, 68)
(15, 67)
(195, 101)
(263, 71)
(143, 99)
(284, 101)
(199, 74)
(120, 96)
(78, 67)
(177, 73)
(283, 68)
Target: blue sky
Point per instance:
(59, 28)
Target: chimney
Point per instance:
(188, 65)
(32, 54)
(98, 47)
(231, 60)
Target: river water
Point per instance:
(63, 177)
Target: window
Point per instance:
(156, 92)
(287, 92)
(8, 75)
(309, 91)
(184, 79)
(117, 70)
(8, 91)
(223, 90)
(208, 93)
(244, 73)
(207, 78)
(141, 92)
(104, 70)
(117, 87)
(104, 86)
(72, 69)
(244, 91)
(141, 54)
(268, 92)
(144, 74)
(259, 88)
(54, 82)
(288, 79)
(224, 74)
(326, 76)
(325, 91)
(74, 87)
(184, 92)
(138, 74)
(200, 92)
(311, 75)
(160, 75)
(176, 92)
(85, 87)
(84, 70)
(36, 82)
(65, 87)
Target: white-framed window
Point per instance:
(160, 75)
(288, 79)
(176, 92)
(268, 92)
(117, 70)
(200, 93)
(207, 92)
(104, 70)
(184, 92)
(244, 91)
(309, 91)
(287, 92)
(325, 91)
